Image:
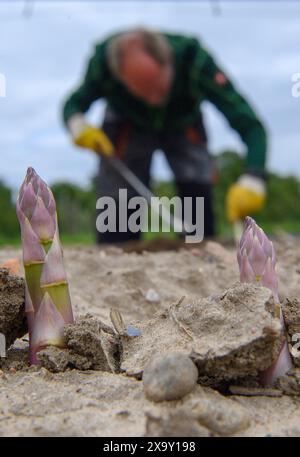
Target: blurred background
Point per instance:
(43, 49)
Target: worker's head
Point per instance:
(142, 61)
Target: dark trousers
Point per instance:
(186, 153)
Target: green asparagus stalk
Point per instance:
(48, 303)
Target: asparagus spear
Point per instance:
(48, 302)
(257, 261)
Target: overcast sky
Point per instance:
(43, 55)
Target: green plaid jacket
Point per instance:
(197, 78)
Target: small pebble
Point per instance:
(152, 296)
(169, 377)
(133, 331)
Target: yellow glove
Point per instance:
(95, 139)
(245, 197)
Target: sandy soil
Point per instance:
(36, 402)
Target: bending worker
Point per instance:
(154, 84)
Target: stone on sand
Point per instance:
(169, 377)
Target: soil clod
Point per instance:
(228, 336)
(13, 323)
(89, 346)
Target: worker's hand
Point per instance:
(245, 197)
(90, 137)
(95, 139)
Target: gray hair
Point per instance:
(154, 44)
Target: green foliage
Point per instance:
(76, 205)
(283, 202)
(9, 226)
(75, 208)
(229, 167)
(282, 209)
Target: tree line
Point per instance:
(76, 205)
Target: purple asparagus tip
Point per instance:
(48, 303)
(257, 261)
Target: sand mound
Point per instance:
(89, 402)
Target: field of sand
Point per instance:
(36, 402)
